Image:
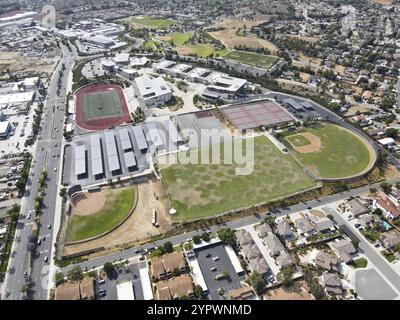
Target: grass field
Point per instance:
(118, 204)
(198, 191)
(360, 263)
(251, 58)
(299, 141)
(180, 38)
(342, 154)
(100, 105)
(147, 22)
(202, 50)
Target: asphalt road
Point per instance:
(128, 253)
(46, 158)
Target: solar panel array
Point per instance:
(154, 135)
(125, 140)
(96, 156)
(80, 160)
(140, 138)
(129, 158)
(112, 153)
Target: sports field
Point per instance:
(99, 212)
(100, 105)
(148, 22)
(198, 191)
(251, 58)
(202, 50)
(332, 152)
(180, 38)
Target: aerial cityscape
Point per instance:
(211, 150)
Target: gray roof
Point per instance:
(304, 225)
(307, 105)
(243, 237)
(293, 103)
(273, 244)
(325, 260)
(284, 260)
(80, 160)
(251, 251)
(357, 208)
(112, 153)
(321, 224)
(130, 160)
(259, 265)
(283, 229)
(140, 137)
(95, 154)
(154, 134)
(125, 139)
(332, 283)
(263, 230)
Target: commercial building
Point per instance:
(125, 291)
(154, 91)
(17, 98)
(98, 40)
(225, 87)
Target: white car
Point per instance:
(55, 169)
(215, 258)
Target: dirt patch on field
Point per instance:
(184, 50)
(85, 204)
(303, 38)
(314, 146)
(137, 227)
(298, 291)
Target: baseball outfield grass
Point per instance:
(342, 153)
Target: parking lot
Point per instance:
(214, 260)
(371, 286)
(107, 287)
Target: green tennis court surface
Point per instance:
(101, 105)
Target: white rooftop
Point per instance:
(20, 97)
(125, 291)
(151, 87)
(4, 126)
(121, 57)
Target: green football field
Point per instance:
(342, 153)
(199, 191)
(101, 105)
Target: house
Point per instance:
(68, 291)
(389, 209)
(367, 220)
(323, 224)
(172, 261)
(181, 286)
(357, 208)
(243, 293)
(274, 245)
(326, 261)
(162, 290)
(284, 260)
(344, 249)
(263, 230)
(259, 265)
(251, 251)
(244, 238)
(157, 268)
(305, 227)
(332, 283)
(283, 229)
(390, 239)
(87, 289)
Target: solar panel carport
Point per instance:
(154, 135)
(80, 160)
(112, 153)
(294, 104)
(140, 138)
(125, 139)
(96, 156)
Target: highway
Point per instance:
(128, 253)
(46, 157)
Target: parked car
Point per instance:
(357, 225)
(216, 258)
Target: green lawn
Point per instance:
(101, 104)
(118, 204)
(389, 256)
(298, 140)
(360, 263)
(251, 58)
(199, 191)
(342, 153)
(153, 23)
(180, 38)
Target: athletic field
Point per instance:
(199, 191)
(332, 152)
(251, 58)
(100, 105)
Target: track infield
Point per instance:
(101, 106)
(341, 154)
(198, 191)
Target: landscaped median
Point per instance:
(94, 214)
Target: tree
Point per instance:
(330, 217)
(108, 268)
(198, 291)
(75, 274)
(286, 276)
(59, 278)
(386, 187)
(176, 272)
(196, 239)
(168, 247)
(392, 133)
(62, 192)
(257, 282)
(205, 236)
(227, 236)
